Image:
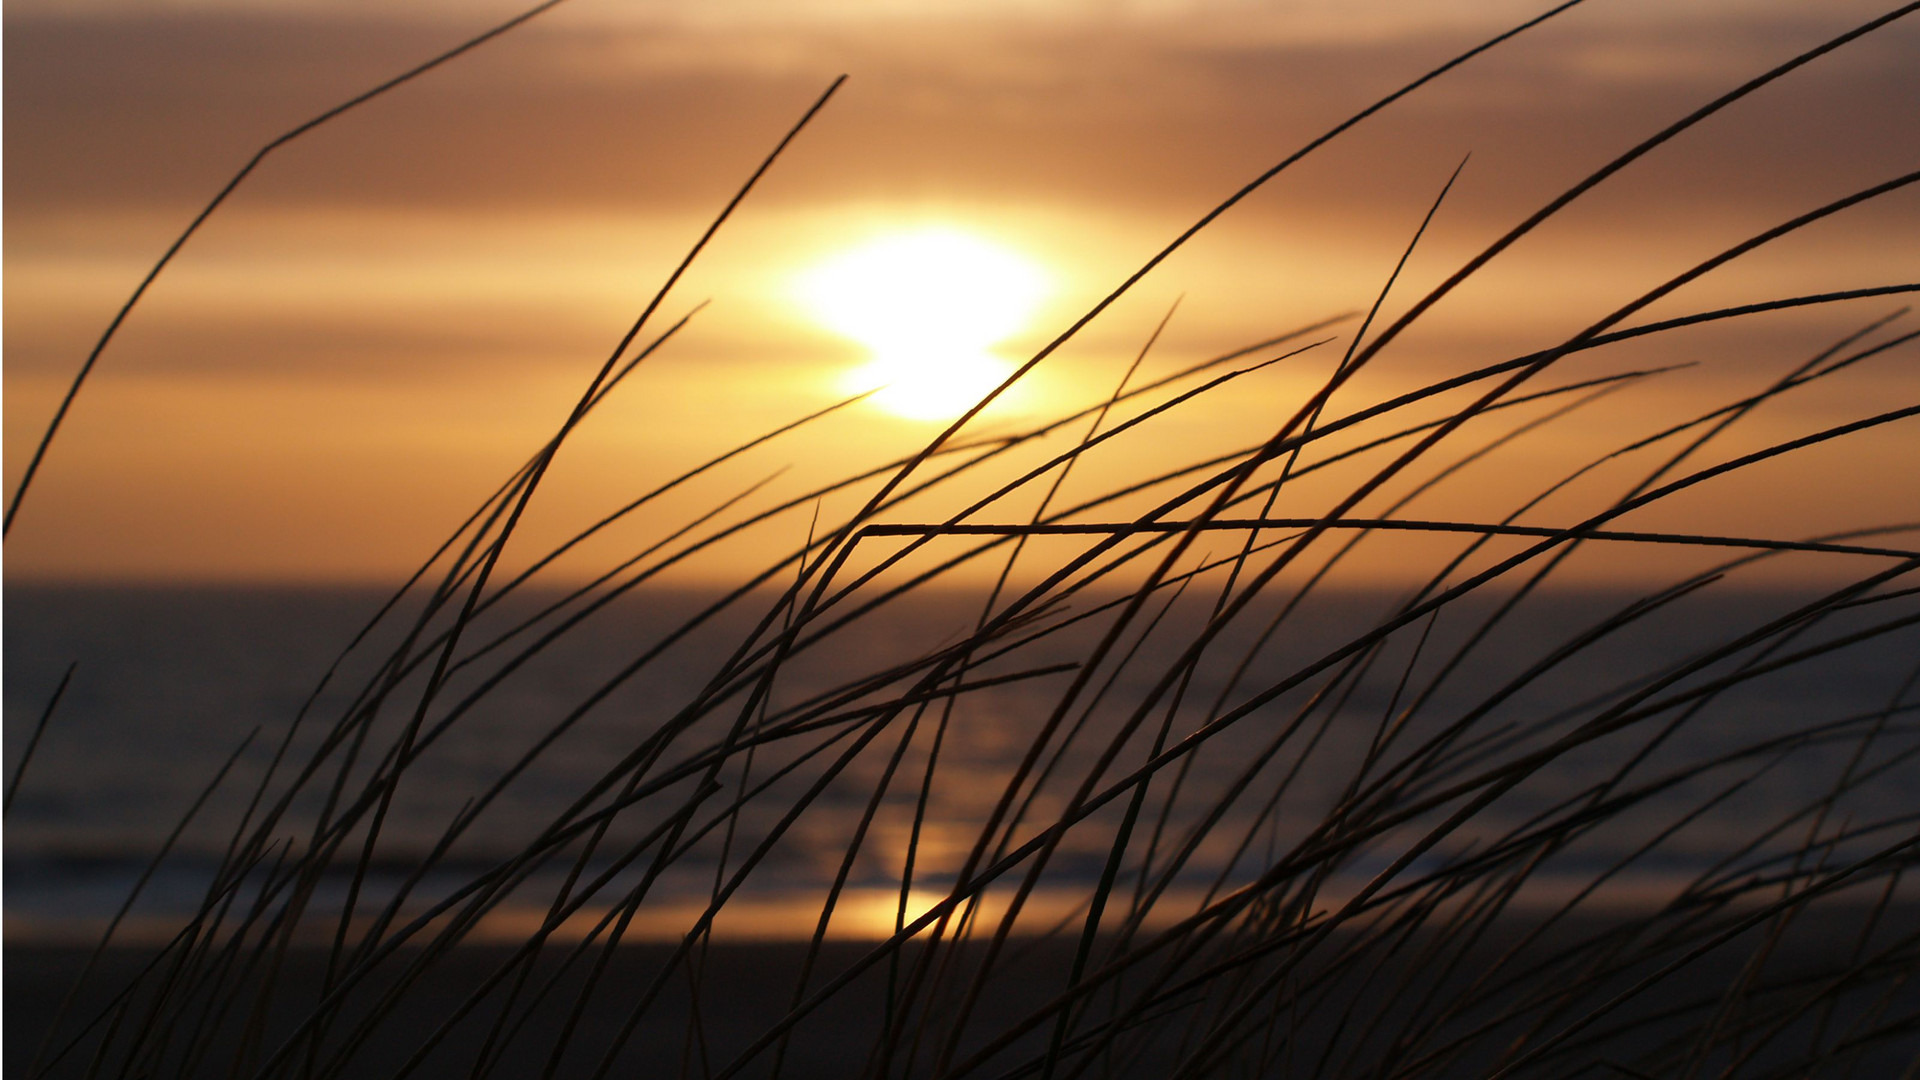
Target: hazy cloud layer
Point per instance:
(482, 237)
(152, 110)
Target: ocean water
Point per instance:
(172, 683)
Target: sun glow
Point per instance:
(929, 305)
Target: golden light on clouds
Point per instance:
(437, 276)
(929, 305)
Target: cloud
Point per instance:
(1135, 107)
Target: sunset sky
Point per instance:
(393, 313)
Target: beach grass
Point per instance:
(1228, 834)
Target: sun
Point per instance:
(929, 304)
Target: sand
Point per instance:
(748, 986)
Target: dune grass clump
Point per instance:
(1114, 778)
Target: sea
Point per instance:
(195, 714)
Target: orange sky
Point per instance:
(392, 314)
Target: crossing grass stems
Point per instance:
(1404, 926)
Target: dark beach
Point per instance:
(747, 987)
